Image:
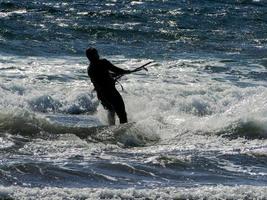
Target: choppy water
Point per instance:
(200, 111)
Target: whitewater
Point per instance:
(200, 110)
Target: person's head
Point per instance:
(92, 54)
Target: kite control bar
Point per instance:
(140, 68)
(143, 67)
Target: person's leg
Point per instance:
(119, 107)
(111, 117)
(113, 102)
(122, 115)
(105, 101)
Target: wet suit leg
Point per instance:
(119, 106)
(113, 102)
(111, 117)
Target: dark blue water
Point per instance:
(200, 110)
(145, 29)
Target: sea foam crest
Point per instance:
(201, 192)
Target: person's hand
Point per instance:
(127, 71)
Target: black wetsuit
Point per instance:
(100, 73)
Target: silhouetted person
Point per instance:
(102, 73)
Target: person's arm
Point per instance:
(114, 69)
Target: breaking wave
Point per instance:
(30, 124)
(201, 192)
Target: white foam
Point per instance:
(175, 100)
(203, 192)
(5, 143)
(7, 14)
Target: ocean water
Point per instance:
(200, 110)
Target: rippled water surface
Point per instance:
(199, 113)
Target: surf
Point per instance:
(85, 127)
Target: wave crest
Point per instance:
(250, 129)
